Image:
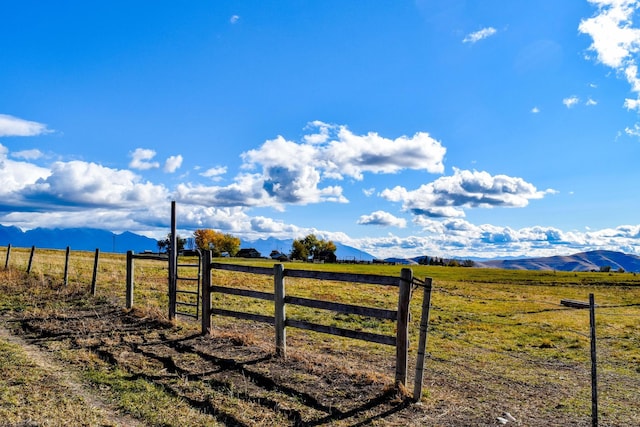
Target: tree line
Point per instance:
(308, 247)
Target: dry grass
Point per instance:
(498, 341)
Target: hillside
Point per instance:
(583, 261)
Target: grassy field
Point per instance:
(498, 341)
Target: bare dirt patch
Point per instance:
(231, 375)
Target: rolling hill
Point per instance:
(583, 261)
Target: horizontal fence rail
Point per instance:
(281, 300)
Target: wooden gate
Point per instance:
(280, 299)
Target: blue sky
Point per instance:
(448, 128)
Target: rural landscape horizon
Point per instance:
(449, 129)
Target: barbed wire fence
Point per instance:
(537, 346)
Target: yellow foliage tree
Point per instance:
(207, 239)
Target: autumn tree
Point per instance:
(311, 246)
(217, 242)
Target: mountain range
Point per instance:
(90, 239)
(80, 239)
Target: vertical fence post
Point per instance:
(173, 263)
(95, 272)
(66, 266)
(6, 262)
(33, 249)
(422, 343)
(206, 293)
(129, 279)
(402, 333)
(594, 367)
(280, 311)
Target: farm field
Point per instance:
(499, 341)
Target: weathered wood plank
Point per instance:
(242, 292)
(242, 268)
(241, 315)
(347, 333)
(379, 313)
(373, 279)
(151, 256)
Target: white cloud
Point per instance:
(214, 173)
(140, 159)
(570, 101)
(14, 126)
(368, 191)
(535, 110)
(479, 35)
(615, 41)
(447, 196)
(16, 175)
(382, 218)
(462, 239)
(632, 104)
(292, 173)
(633, 131)
(79, 184)
(32, 154)
(591, 102)
(319, 137)
(234, 19)
(173, 163)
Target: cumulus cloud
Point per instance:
(615, 40)
(172, 163)
(14, 126)
(535, 110)
(292, 172)
(337, 152)
(234, 19)
(16, 176)
(447, 196)
(455, 237)
(479, 35)
(141, 159)
(82, 184)
(382, 218)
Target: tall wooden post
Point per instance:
(402, 333)
(173, 263)
(280, 311)
(594, 365)
(6, 261)
(66, 266)
(422, 342)
(33, 250)
(129, 292)
(95, 272)
(206, 293)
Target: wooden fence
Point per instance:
(280, 320)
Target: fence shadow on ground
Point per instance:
(216, 374)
